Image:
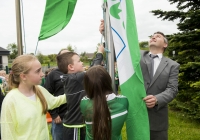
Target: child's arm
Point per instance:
(99, 56)
(52, 101)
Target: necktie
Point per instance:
(152, 56)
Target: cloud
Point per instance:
(147, 24)
(82, 30)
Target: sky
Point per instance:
(82, 32)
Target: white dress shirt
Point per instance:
(156, 61)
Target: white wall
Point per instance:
(5, 61)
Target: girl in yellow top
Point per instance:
(24, 108)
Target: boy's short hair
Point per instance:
(63, 60)
(62, 50)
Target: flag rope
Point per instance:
(36, 47)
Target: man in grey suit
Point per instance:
(161, 83)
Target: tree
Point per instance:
(13, 50)
(83, 57)
(70, 48)
(43, 58)
(186, 44)
(144, 45)
(52, 57)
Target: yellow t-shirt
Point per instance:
(22, 118)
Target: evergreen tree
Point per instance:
(186, 44)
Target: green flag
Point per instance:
(56, 16)
(125, 39)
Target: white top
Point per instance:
(32, 97)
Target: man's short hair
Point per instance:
(165, 39)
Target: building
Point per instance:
(89, 56)
(3, 58)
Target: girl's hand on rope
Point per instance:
(101, 49)
(101, 27)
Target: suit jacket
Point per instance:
(164, 86)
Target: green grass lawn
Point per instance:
(180, 128)
(49, 125)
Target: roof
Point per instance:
(89, 55)
(4, 51)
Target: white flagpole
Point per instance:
(109, 44)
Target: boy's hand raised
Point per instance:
(101, 49)
(101, 27)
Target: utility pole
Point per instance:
(19, 27)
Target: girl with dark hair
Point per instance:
(104, 112)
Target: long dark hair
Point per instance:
(97, 84)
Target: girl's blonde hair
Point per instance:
(22, 64)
